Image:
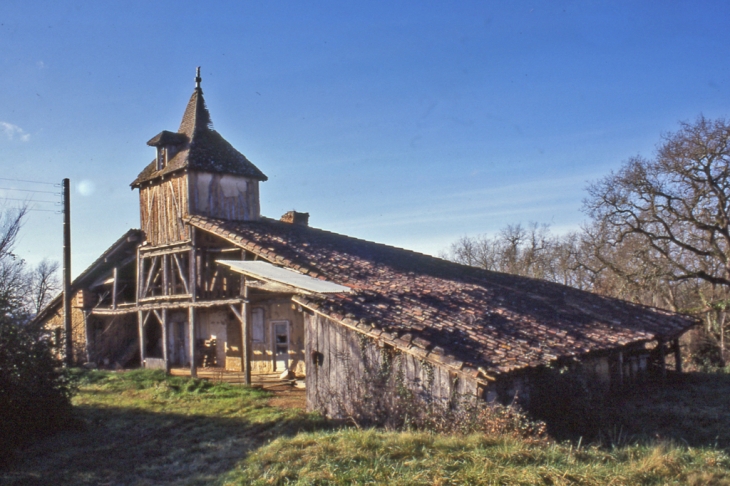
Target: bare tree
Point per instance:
(13, 279)
(11, 221)
(674, 211)
(677, 203)
(530, 251)
(22, 290)
(44, 284)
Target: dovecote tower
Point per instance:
(195, 172)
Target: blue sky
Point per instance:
(407, 123)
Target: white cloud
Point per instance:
(40, 64)
(14, 132)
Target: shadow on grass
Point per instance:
(132, 446)
(690, 408)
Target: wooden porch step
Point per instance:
(235, 377)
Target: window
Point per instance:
(257, 325)
(161, 157)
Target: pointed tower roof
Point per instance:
(197, 146)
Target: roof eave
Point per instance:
(75, 285)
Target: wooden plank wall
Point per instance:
(78, 332)
(340, 361)
(162, 208)
(224, 196)
(262, 360)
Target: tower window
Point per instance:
(161, 157)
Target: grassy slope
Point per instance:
(144, 428)
(140, 427)
(378, 457)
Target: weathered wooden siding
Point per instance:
(262, 359)
(54, 325)
(341, 362)
(224, 196)
(163, 206)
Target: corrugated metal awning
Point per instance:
(266, 271)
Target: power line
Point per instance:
(47, 210)
(32, 182)
(27, 190)
(29, 200)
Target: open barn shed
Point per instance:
(207, 282)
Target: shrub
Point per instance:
(383, 397)
(35, 391)
(470, 416)
(703, 351)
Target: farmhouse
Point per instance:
(207, 282)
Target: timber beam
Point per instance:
(164, 250)
(181, 272)
(164, 298)
(167, 305)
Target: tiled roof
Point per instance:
(469, 317)
(206, 150)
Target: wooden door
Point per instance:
(280, 330)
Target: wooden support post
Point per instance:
(191, 310)
(114, 288)
(191, 337)
(181, 273)
(165, 274)
(140, 318)
(663, 360)
(246, 336)
(150, 276)
(87, 335)
(165, 353)
(621, 368)
(213, 283)
(203, 273)
(677, 356)
(140, 275)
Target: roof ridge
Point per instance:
(470, 279)
(196, 117)
(354, 238)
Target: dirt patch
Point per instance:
(288, 397)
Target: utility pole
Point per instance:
(67, 271)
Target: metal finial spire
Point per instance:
(197, 78)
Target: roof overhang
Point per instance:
(167, 138)
(267, 272)
(96, 272)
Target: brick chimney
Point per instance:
(293, 217)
